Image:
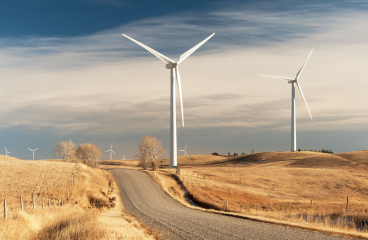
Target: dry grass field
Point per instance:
(281, 185)
(93, 210)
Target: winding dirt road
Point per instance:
(144, 199)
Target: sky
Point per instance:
(68, 73)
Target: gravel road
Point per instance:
(144, 199)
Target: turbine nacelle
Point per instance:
(293, 81)
(171, 65)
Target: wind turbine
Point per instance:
(33, 152)
(6, 152)
(111, 152)
(123, 158)
(174, 75)
(294, 81)
(185, 152)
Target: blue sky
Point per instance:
(68, 73)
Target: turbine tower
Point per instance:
(111, 152)
(33, 152)
(294, 81)
(6, 152)
(174, 75)
(185, 152)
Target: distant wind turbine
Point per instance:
(294, 81)
(111, 152)
(33, 152)
(184, 150)
(123, 158)
(6, 152)
(174, 67)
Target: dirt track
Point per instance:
(144, 199)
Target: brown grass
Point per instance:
(92, 211)
(283, 185)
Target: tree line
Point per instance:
(86, 153)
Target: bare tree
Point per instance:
(150, 149)
(66, 150)
(89, 154)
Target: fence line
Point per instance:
(195, 187)
(65, 198)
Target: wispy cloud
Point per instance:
(104, 83)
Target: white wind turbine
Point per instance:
(184, 150)
(294, 81)
(111, 152)
(123, 158)
(174, 66)
(33, 152)
(6, 152)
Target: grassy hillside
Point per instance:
(281, 185)
(91, 212)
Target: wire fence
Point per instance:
(33, 203)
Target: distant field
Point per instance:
(274, 178)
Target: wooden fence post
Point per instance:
(54, 203)
(257, 207)
(311, 205)
(49, 203)
(34, 204)
(42, 202)
(21, 203)
(5, 213)
(347, 203)
(214, 200)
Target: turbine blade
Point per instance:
(301, 92)
(301, 69)
(157, 54)
(113, 152)
(192, 50)
(277, 77)
(36, 149)
(180, 94)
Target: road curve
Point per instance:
(144, 199)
